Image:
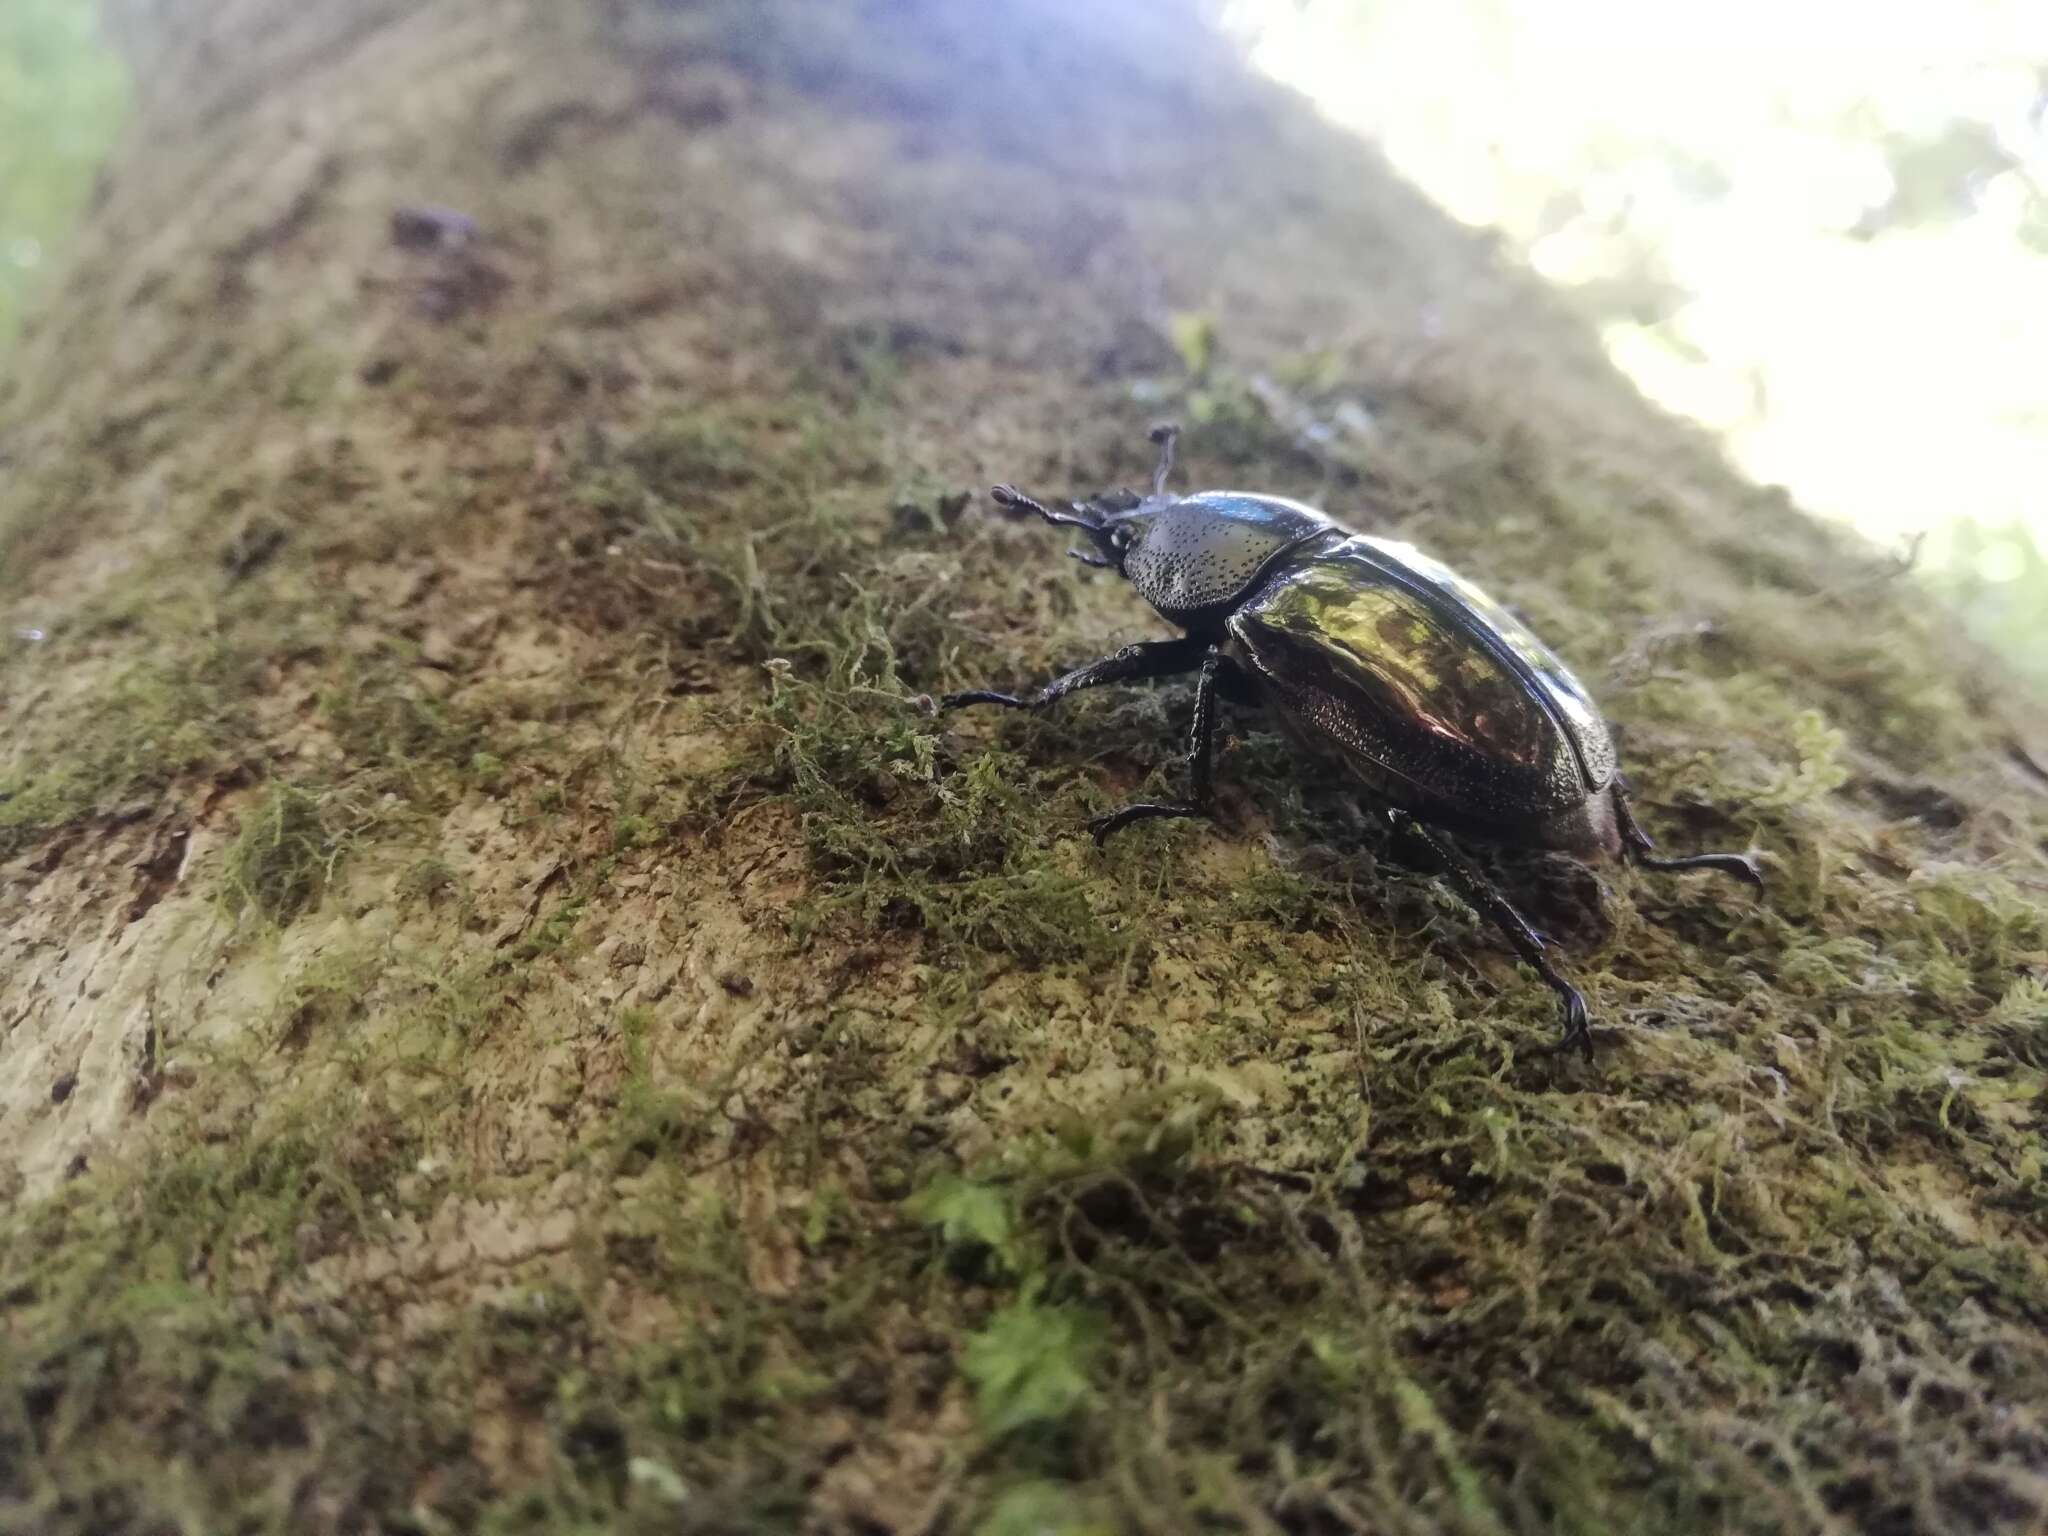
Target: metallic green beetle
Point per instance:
(1452, 714)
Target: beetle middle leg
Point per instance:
(1480, 894)
(1201, 764)
(1638, 845)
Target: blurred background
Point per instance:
(63, 94)
(1820, 230)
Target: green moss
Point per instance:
(762, 500)
(1245, 1198)
(282, 858)
(961, 849)
(1030, 1367)
(427, 879)
(148, 726)
(653, 1120)
(1147, 1136)
(328, 994)
(1819, 771)
(1237, 427)
(392, 734)
(487, 771)
(976, 1221)
(1042, 1508)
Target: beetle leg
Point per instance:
(1134, 663)
(1201, 764)
(1638, 844)
(1480, 894)
(1164, 437)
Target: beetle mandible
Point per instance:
(1454, 717)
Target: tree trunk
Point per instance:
(514, 1016)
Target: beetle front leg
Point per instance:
(1480, 894)
(1134, 663)
(1201, 765)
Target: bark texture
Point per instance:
(511, 1017)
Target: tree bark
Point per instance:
(514, 1015)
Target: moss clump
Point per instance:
(282, 858)
(1030, 1367)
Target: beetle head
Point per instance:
(1114, 524)
(1191, 557)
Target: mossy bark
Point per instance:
(514, 1017)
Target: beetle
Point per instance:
(1454, 718)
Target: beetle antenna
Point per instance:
(1010, 496)
(1165, 436)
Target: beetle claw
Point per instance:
(1578, 1023)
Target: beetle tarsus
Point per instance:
(1101, 828)
(1578, 1024)
(1009, 497)
(984, 696)
(1738, 865)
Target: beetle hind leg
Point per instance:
(1481, 895)
(1636, 842)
